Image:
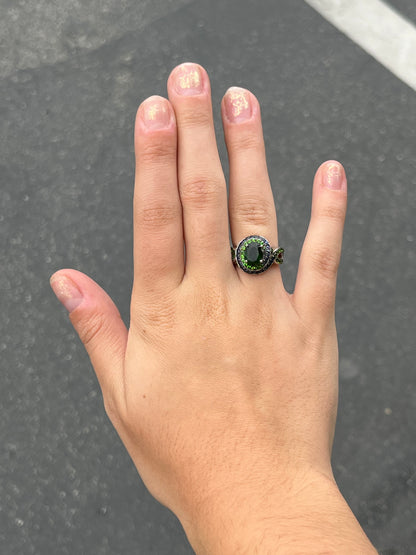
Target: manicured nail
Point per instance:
(188, 80)
(333, 176)
(155, 113)
(67, 292)
(237, 105)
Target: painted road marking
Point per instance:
(381, 31)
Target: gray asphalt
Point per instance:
(72, 75)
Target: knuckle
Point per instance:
(333, 213)
(91, 328)
(156, 318)
(159, 266)
(210, 237)
(245, 142)
(200, 190)
(158, 216)
(157, 151)
(253, 211)
(325, 261)
(195, 117)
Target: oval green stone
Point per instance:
(254, 254)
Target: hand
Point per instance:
(224, 389)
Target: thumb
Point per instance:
(98, 323)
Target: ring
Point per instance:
(254, 254)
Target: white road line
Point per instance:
(378, 29)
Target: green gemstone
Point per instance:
(253, 253)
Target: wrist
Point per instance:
(309, 516)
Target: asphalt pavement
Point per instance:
(72, 75)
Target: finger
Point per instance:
(251, 204)
(202, 185)
(99, 326)
(314, 293)
(158, 234)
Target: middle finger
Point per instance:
(201, 180)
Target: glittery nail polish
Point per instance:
(333, 176)
(66, 291)
(155, 113)
(237, 103)
(188, 79)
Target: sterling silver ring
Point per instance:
(254, 254)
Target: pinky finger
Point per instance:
(314, 294)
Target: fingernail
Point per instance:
(237, 105)
(333, 176)
(188, 80)
(155, 113)
(67, 292)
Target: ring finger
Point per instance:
(251, 204)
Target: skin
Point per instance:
(224, 389)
